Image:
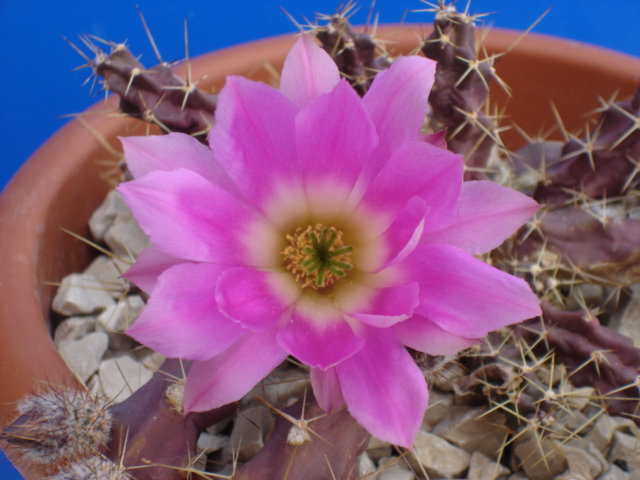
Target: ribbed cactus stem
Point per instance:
(461, 89)
(358, 56)
(93, 468)
(588, 186)
(59, 425)
(156, 95)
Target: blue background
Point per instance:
(38, 86)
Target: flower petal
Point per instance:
(248, 296)
(390, 305)
(253, 137)
(308, 72)
(397, 104)
(489, 214)
(437, 139)
(464, 295)
(384, 389)
(326, 388)
(417, 169)
(403, 236)
(333, 152)
(230, 375)
(423, 335)
(319, 337)
(170, 152)
(148, 266)
(206, 222)
(181, 318)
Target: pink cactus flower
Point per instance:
(320, 225)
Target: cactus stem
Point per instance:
(587, 146)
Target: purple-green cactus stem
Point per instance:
(358, 56)
(589, 187)
(325, 447)
(461, 88)
(602, 165)
(156, 95)
(595, 355)
(150, 432)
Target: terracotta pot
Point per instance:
(61, 184)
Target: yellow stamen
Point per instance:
(317, 256)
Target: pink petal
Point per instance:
(230, 375)
(423, 335)
(149, 265)
(403, 236)
(326, 388)
(418, 169)
(308, 72)
(319, 342)
(489, 214)
(397, 104)
(334, 138)
(384, 389)
(181, 318)
(253, 137)
(246, 295)
(390, 305)
(464, 295)
(189, 217)
(170, 152)
(437, 139)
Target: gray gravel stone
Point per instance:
(211, 443)
(103, 217)
(83, 356)
(541, 459)
(247, 436)
(439, 407)
(602, 432)
(121, 376)
(280, 385)
(126, 239)
(483, 468)
(518, 476)
(150, 359)
(473, 430)
(628, 323)
(626, 448)
(366, 465)
(378, 449)
(73, 328)
(81, 294)
(615, 473)
(120, 316)
(438, 457)
(588, 447)
(394, 472)
(581, 463)
(107, 271)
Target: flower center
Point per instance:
(317, 256)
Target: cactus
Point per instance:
(589, 187)
(95, 467)
(359, 56)
(461, 89)
(156, 95)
